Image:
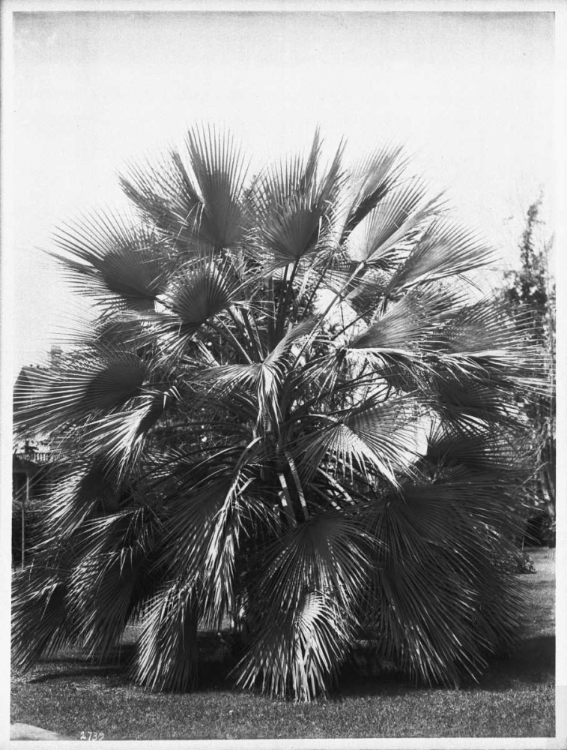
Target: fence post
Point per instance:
(25, 502)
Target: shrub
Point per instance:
(290, 414)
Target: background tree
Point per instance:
(290, 415)
(532, 289)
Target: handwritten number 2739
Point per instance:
(92, 736)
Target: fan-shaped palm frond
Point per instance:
(101, 588)
(91, 382)
(118, 437)
(487, 335)
(220, 174)
(39, 622)
(310, 582)
(394, 220)
(294, 205)
(107, 257)
(373, 436)
(167, 650)
(201, 521)
(429, 259)
(202, 290)
(166, 199)
(407, 325)
(200, 201)
(487, 449)
(372, 179)
(436, 542)
(85, 492)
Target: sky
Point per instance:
(470, 95)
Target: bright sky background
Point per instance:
(470, 93)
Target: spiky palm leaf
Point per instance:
(290, 416)
(112, 260)
(304, 602)
(197, 200)
(451, 532)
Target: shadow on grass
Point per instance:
(212, 675)
(64, 666)
(533, 663)
(86, 672)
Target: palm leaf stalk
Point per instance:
(288, 418)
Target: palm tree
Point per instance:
(290, 414)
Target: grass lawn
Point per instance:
(516, 697)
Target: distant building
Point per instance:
(35, 468)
